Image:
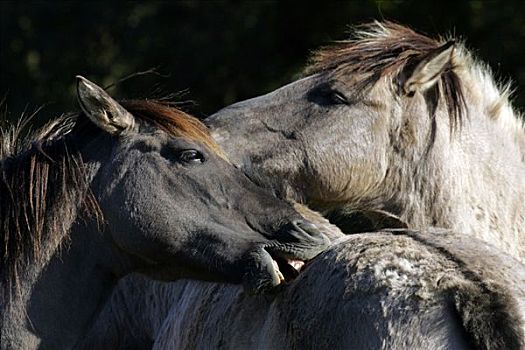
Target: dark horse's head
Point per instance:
(175, 205)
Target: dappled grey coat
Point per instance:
(387, 290)
(394, 289)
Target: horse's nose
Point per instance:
(302, 231)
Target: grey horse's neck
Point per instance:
(472, 181)
(62, 298)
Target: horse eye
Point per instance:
(326, 95)
(338, 98)
(191, 156)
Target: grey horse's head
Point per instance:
(176, 207)
(340, 135)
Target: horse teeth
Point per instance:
(296, 264)
(278, 272)
(281, 277)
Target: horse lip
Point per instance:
(278, 272)
(288, 261)
(267, 269)
(287, 268)
(296, 264)
(272, 264)
(262, 272)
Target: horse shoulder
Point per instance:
(491, 299)
(395, 290)
(410, 290)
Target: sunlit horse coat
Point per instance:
(390, 290)
(392, 120)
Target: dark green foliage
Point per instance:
(221, 51)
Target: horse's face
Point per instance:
(177, 208)
(312, 136)
(329, 138)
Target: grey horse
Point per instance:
(388, 121)
(396, 121)
(396, 290)
(121, 188)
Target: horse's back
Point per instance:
(383, 290)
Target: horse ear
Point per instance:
(429, 69)
(101, 109)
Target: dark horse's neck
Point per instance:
(63, 297)
(53, 300)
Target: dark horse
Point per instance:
(120, 188)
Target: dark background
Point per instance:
(221, 52)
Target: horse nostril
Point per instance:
(304, 234)
(307, 227)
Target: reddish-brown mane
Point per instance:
(173, 121)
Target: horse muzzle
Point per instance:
(281, 260)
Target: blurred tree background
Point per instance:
(221, 52)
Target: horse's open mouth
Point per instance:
(277, 264)
(287, 269)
